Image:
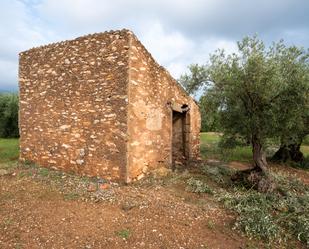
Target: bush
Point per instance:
(272, 216)
(198, 186)
(219, 174)
(254, 216)
(9, 115)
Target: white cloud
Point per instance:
(18, 32)
(176, 32)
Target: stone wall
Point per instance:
(73, 105)
(100, 105)
(152, 95)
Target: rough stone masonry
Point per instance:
(100, 105)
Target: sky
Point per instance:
(176, 32)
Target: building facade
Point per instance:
(100, 105)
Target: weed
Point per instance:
(43, 172)
(23, 174)
(9, 149)
(124, 233)
(210, 225)
(198, 186)
(7, 222)
(71, 196)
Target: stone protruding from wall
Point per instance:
(73, 104)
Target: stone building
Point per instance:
(100, 105)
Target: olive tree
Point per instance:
(250, 90)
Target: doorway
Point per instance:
(179, 139)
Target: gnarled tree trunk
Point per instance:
(257, 177)
(287, 153)
(259, 157)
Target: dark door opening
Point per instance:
(179, 139)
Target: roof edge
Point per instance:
(123, 31)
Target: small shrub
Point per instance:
(125, 233)
(259, 223)
(43, 172)
(219, 174)
(198, 186)
(299, 225)
(254, 214)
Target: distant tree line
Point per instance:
(9, 115)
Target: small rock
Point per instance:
(4, 172)
(104, 186)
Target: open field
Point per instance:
(209, 148)
(8, 150)
(198, 207)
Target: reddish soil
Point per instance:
(35, 213)
(50, 209)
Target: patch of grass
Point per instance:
(22, 174)
(305, 150)
(43, 172)
(9, 149)
(198, 186)
(124, 233)
(210, 225)
(210, 149)
(71, 196)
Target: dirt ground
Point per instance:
(42, 208)
(46, 209)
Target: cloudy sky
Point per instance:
(176, 32)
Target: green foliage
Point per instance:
(193, 82)
(209, 115)
(9, 150)
(271, 217)
(210, 149)
(219, 174)
(9, 115)
(43, 172)
(198, 186)
(254, 214)
(124, 233)
(258, 93)
(306, 140)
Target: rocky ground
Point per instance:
(42, 208)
